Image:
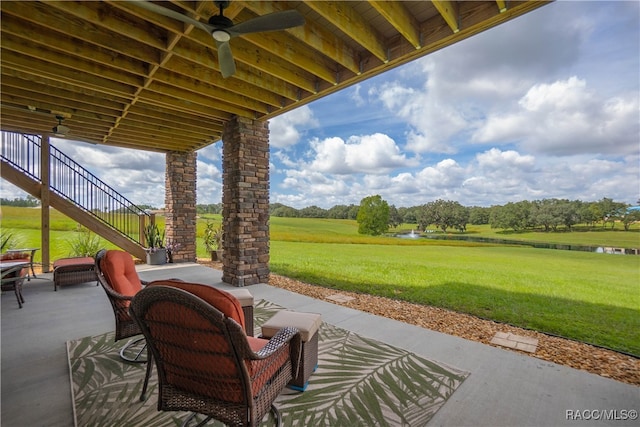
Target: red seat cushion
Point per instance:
(120, 271)
(15, 256)
(76, 261)
(223, 301)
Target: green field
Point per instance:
(589, 297)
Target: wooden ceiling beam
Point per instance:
(72, 76)
(147, 144)
(174, 142)
(55, 85)
(202, 89)
(152, 97)
(449, 10)
(75, 108)
(54, 21)
(14, 85)
(69, 46)
(287, 48)
(401, 19)
(139, 129)
(341, 15)
(9, 42)
(322, 41)
(218, 107)
(163, 113)
(104, 15)
(142, 115)
(212, 78)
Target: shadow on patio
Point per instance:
(504, 388)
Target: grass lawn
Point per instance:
(589, 297)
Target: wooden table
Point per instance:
(33, 254)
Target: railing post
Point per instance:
(44, 202)
(142, 223)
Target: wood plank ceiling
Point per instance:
(124, 76)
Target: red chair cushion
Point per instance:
(120, 271)
(223, 301)
(15, 256)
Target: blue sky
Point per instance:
(546, 106)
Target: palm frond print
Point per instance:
(358, 382)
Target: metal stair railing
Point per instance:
(70, 180)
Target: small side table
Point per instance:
(33, 254)
(308, 325)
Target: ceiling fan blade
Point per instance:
(172, 14)
(271, 22)
(225, 59)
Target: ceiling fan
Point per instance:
(222, 29)
(60, 130)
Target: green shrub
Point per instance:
(84, 243)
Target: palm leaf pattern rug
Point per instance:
(359, 382)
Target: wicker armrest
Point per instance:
(275, 344)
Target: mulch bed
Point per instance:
(603, 362)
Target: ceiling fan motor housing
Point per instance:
(220, 21)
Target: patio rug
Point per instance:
(359, 382)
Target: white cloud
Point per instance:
(287, 130)
(209, 183)
(445, 174)
(566, 118)
(376, 153)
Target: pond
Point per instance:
(541, 245)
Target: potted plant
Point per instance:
(213, 240)
(156, 252)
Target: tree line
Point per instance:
(375, 216)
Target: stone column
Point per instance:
(245, 202)
(180, 204)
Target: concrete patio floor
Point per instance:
(504, 389)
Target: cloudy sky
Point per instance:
(546, 106)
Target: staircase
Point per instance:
(73, 191)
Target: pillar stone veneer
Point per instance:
(180, 204)
(245, 202)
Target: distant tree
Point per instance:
(28, 202)
(373, 216)
(512, 215)
(479, 215)
(285, 212)
(395, 220)
(631, 217)
(313, 212)
(338, 212)
(409, 215)
(570, 212)
(546, 213)
(444, 214)
(215, 208)
(353, 211)
(147, 207)
(610, 211)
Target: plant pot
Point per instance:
(217, 255)
(158, 257)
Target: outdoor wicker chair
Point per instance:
(117, 274)
(205, 361)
